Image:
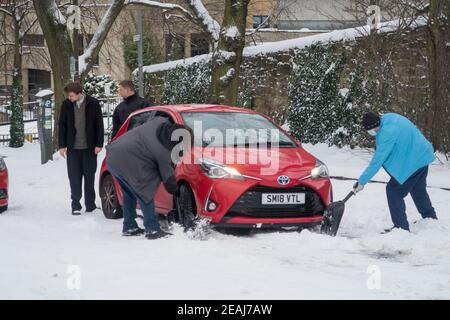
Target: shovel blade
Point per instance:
(332, 218)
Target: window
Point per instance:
(250, 128)
(260, 22)
(140, 119)
(199, 44)
(143, 117)
(38, 80)
(34, 40)
(164, 115)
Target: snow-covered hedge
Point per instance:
(187, 84)
(96, 86)
(328, 95)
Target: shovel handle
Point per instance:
(351, 194)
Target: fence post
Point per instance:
(44, 123)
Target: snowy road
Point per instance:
(41, 245)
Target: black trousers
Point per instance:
(82, 164)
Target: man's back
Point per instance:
(140, 157)
(410, 149)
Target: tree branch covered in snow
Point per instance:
(162, 5)
(87, 58)
(53, 10)
(207, 21)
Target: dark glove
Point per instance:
(357, 187)
(171, 185)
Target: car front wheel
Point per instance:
(186, 208)
(110, 202)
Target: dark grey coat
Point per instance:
(142, 161)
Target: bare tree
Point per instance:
(20, 23)
(438, 117)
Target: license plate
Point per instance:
(283, 198)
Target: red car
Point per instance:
(3, 186)
(289, 188)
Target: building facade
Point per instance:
(168, 36)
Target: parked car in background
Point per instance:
(230, 194)
(3, 186)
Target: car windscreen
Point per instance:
(235, 129)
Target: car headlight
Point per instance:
(217, 170)
(320, 170)
(2, 164)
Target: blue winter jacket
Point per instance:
(401, 149)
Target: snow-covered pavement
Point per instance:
(43, 247)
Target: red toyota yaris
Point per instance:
(236, 182)
(3, 186)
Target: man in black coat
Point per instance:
(81, 136)
(131, 102)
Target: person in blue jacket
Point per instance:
(405, 154)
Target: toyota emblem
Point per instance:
(283, 180)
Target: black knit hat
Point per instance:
(371, 120)
(164, 133)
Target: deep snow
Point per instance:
(40, 242)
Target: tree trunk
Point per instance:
(16, 129)
(226, 62)
(60, 49)
(438, 121)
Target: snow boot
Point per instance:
(76, 212)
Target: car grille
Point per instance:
(249, 204)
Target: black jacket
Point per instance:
(94, 124)
(124, 109)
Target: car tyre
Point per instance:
(110, 202)
(3, 209)
(186, 208)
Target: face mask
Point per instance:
(372, 132)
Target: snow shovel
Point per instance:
(333, 215)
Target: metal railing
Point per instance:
(29, 112)
(30, 137)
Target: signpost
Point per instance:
(45, 124)
(138, 38)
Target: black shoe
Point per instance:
(76, 212)
(92, 209)
(157, 235)
(133, 232)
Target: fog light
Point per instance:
(212, 206)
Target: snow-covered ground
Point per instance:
(43, 248)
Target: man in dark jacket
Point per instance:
(140, 160)
(81, 135)
(131, 102)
